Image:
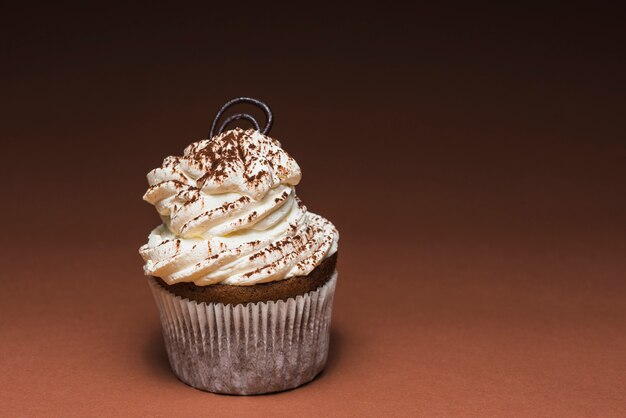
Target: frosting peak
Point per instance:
(246, 162)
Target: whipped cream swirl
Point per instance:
(230, 215)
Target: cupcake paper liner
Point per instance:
(247, 349)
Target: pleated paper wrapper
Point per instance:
(247, 349)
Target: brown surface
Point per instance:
(281, 290)
(472, 160)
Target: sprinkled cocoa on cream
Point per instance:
(231, 216)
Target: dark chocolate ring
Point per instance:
(245, 116)
(249, 118)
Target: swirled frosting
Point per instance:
(230, 215)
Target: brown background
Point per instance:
(473, 160)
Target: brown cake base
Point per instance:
(280, 290)
(250, 348)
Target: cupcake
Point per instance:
(242, 274)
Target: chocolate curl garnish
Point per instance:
(249, 118)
